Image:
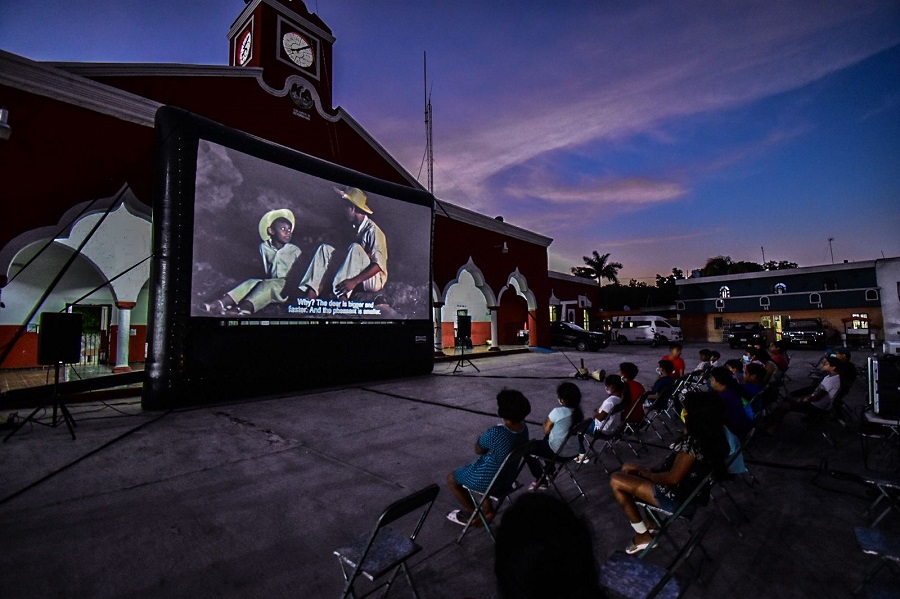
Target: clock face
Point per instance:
(298, 49)
(244, 51)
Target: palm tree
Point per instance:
(597, 268)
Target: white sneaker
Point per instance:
(582, 459)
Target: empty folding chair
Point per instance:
(383, 550)
(888, 488)
(628, 576)
(501, 486)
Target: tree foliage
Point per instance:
(598, 267)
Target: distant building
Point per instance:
(848, 297)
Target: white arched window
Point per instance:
(724, 292)
(780, 288)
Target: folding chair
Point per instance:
(884, 545)
(629, 576)
(664, 401)
(663, 519)
(501, 487)
(888, 490)
(612, 439)
(551, 467)
(384, 550)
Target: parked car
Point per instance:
(655, 330)
(806, 331)
(742, 334)
(572, 335)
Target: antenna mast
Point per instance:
(429, 145)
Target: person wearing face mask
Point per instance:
(609, 415)
(659, 393)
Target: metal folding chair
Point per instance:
(888, 488)
(633, 578)
(884, 545)
(612, 439)
(664, 519)
(383, 550)
(501, 487)
(551, 467)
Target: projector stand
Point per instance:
(58, 404)
(463, 360)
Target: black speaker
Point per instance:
(886, 402)
(59, 338)
(463, 326)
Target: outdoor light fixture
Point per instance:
(5, 129)
(503, 248)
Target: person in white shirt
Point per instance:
(608, 416)
(816, 403)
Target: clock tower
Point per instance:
(291, 45)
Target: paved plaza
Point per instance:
(248, 499)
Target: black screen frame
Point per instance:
(193, 359)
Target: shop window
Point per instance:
(718, 323)
(554, 313)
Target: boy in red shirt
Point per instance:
(675, 358)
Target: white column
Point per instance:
(495, 335)
(438, 330)
(123, 337)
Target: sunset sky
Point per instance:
(663, 133)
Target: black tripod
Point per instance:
(461, 344)
(58, 406)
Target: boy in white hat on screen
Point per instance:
(276, 228)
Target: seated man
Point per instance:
(816, 403)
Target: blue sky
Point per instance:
(663, 133)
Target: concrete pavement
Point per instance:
(248, 499)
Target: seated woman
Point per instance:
(561, 418)
(701, 450)
(492, 448)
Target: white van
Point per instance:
(654, 330)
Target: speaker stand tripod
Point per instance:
(463, 360)
(58, 406)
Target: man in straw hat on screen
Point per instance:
(276, 228)
(365, 266)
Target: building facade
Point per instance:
(847, 297)
(77, 159)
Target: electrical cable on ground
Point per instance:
(106, 445)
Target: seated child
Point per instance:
(276, 228)
(561, 418)
(608, 416)
(705, 360)
(658, 395)
(634, 412)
